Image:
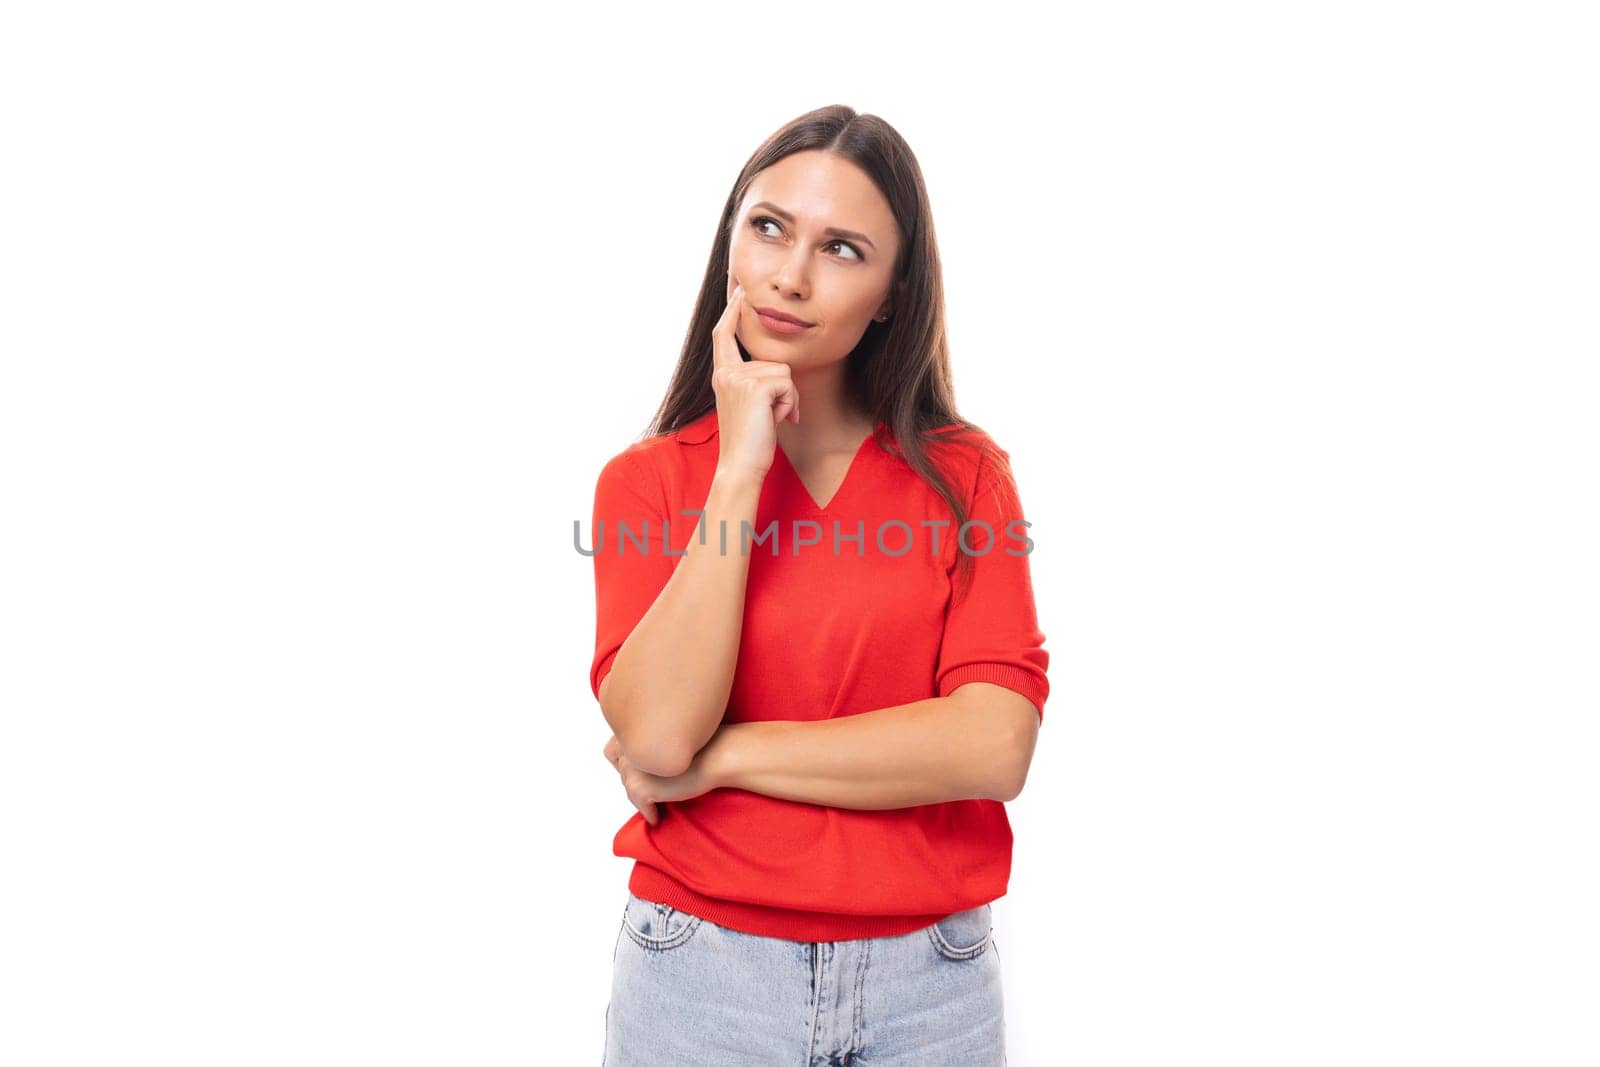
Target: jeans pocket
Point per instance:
(657, 927)
(964, 935)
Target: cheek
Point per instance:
(738, 269)
(851, 302)
(741, 264)
(746, 256)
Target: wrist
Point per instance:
(737, 480)
(724, 766)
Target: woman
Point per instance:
(816, 644)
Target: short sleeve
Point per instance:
(631, 562)
(991, 628)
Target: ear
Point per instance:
(896, 289)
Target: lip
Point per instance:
(781, 316)
(780, 327)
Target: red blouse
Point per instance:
(848, 608)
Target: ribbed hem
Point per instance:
(1013, 678)
(651, 884)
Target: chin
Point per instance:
(769, 353)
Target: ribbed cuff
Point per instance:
(1013, 678)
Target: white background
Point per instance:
(319, 320)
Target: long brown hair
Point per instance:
(900, 370)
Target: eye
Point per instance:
(761, 220)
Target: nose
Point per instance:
(791, 276)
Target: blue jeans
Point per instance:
(685, 990)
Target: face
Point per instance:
(786, 255)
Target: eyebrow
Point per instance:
(831, 231)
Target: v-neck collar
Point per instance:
(844, 486)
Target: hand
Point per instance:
(752, 397)
(646, 790)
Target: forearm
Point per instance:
(667, 690)
(925, 752)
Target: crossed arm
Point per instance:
(975, 743)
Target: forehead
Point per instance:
(823, 189)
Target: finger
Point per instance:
(786, 404)
(728, 322)
(724, 343)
